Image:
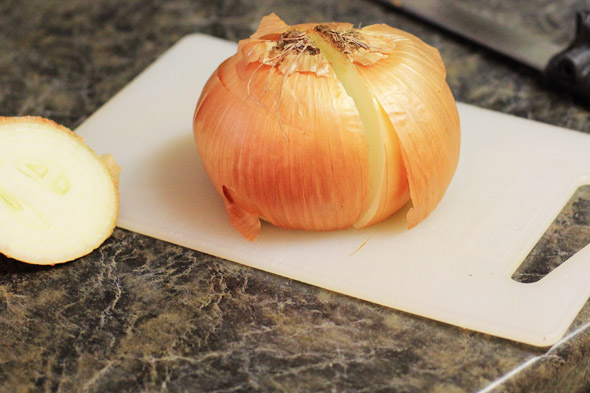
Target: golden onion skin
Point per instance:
(282, 140)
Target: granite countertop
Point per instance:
(140, 314)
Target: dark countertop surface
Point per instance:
(140, 314)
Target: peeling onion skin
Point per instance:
(411, 87)
(308, 172)
(283, 141)
(35, 206)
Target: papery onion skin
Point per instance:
(282, 140)
(412, 89)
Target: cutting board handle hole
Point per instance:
(568, 234)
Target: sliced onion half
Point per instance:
(58, 199)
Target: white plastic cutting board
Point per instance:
(513, 178)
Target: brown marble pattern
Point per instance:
(569, 233)
(142, 315)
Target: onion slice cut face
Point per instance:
(58, 200)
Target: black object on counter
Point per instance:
(564, 69)
(569, 70)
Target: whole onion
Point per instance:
(325, 126)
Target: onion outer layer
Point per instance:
(284, 132)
